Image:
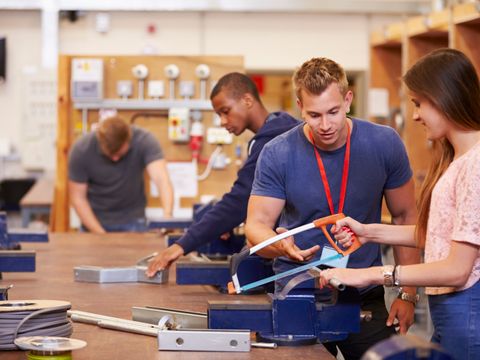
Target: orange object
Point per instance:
(331, 220)
(231, 288)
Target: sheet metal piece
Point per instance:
(98, 274)
(204, 340)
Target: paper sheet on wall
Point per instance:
(184, 179)
(378, 102)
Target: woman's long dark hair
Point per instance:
(448, 80)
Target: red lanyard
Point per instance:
(323, 174)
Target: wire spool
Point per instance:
(28, 318)
(49, 347)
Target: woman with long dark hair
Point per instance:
(445, 90)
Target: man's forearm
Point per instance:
(256, 233)
(87, 217)
(166, 197)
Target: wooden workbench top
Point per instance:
(54, 280)
(41, 194)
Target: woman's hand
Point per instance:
(346, 229)
(350, 277)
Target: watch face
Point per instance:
(408, 297)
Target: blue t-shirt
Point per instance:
(287, 170)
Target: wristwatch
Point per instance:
(388, 279)
(408, 297)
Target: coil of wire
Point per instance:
(32, 318)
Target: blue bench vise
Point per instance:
(299, 319)
(12, 259)
(9, 240)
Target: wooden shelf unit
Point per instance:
(466, 31)
(395, 49)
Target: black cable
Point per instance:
(44, 322)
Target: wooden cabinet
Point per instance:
(398, 46)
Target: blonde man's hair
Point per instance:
(316, 74)
(112, 134)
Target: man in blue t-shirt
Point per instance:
(332, 164)
(236, 100)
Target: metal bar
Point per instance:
(113, 322)
(184, 319)
(97, 274)
(204, 340)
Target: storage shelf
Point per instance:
(151, 104)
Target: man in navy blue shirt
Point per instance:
(329, 165)
(235, 99)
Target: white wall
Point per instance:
(22, 30)
(267, 41)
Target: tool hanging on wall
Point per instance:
(321, 223)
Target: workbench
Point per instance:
(37, 201)
(54, 279)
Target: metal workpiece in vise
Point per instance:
(12, 258)
(136, 273)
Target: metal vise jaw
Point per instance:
(97, 274)
(9, 240)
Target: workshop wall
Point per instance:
(267, 41)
